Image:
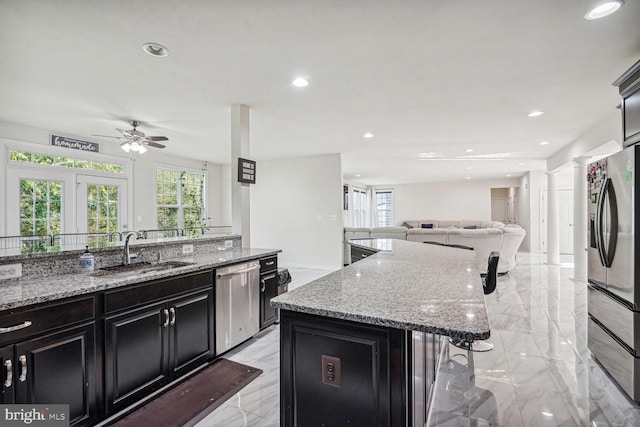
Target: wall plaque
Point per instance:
(76, 144)
(246, 171)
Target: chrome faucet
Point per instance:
(126, 258)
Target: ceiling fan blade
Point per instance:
(157, 138)
(154, 144)
(125, 132)
(107, 136)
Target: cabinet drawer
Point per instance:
(135, 295)
(45, 317)
(268, 264)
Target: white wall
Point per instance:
(143, 179)
(296, 206)
(524, 210)
(537, 181)
(453, 200)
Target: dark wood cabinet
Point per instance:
(268, 290)
(150, 345)
(337, 372)
(49, 363)
(358, 253)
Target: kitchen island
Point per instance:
(347, 339)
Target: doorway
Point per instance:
(565, 220)
(503, 205)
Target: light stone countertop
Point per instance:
(407, 285)
(22, 292)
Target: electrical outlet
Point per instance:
(10, 271)
(187, 249)
(228, 244)
(331, 371)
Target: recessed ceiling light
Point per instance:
(368, 135)
(603, 9)
(432, 153)
(469, 150)
(468, 177)
(535, 113)
(155, 49)
(520, 164)
(469, 168)
(300, 82)
(544, 143)
(508, 175)
(358, 176)
(423, 154)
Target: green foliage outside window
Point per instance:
(64, 162)
(180, 199)
(40, 207)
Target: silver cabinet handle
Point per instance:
(166, 318)
(264, 285)
(23, 367)
(234, 273)
(269, 263)
(172, 310)
(26, 324)
(9, 379)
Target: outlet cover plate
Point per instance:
(10, 271)
(187, 249)
(228, 244)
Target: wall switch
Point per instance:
(187, 249)
(318, 217)
(228, 244)
(331, 371)
(333, 217)
(10, 271)
(139, 218)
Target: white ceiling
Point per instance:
(423, 76)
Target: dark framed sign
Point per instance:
(246, 171)
(76, 144)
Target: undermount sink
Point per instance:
(138, 268)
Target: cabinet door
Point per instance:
(192, 331)
(268, 290)
(136, 351)
(59, 369)
(8, 375)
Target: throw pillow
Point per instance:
(405, 224)
(470, 227)
(426, 225)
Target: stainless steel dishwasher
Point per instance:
(237, 304)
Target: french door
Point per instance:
(101, 204)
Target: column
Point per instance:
(240, 200)
(553, 229)
(580, 223)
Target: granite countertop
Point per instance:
(408, 285)
(22, 292)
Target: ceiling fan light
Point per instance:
(142, 149)
(126, 147)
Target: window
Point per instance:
(384, 208)
(180, 199)
(102, 208)
(360, 208)
(40, 207)
(64, 162)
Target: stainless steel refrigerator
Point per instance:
(614, 272)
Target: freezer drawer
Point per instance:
(619, 319)
(622, 366)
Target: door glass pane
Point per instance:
(102, 208)
(40, 207)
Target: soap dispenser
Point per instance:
(87, 261)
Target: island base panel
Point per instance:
(336, 372)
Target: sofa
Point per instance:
(483, 236)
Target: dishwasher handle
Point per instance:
(236, 272)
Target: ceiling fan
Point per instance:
(134, 140)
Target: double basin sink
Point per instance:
(122, 271)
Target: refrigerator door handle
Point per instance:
(610, 192)
(599, 233)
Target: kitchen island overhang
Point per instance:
(362, 318)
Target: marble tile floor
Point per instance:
(540, 372)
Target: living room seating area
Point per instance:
(484, 236)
